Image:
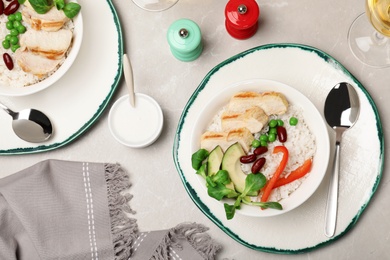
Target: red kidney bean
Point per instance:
(8, 61)
(248, 158)
(12, 7)
(1, 7)
(260, 150)
(258, 164)
(282, 134)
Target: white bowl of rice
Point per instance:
(16, 82)
(308, 139)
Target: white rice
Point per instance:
(16, 77)
(300, 143)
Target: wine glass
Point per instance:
(155, 5)
(372, 47)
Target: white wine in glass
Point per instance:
(155, 5)
(368, 36)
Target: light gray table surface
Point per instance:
(157, 188)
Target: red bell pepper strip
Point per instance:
(271, 183)
(296, 174)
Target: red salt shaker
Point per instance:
(241, 18)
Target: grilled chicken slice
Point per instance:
(241, 135)
(210, 140)
(242, 101)
(273, 103)
(33, 63)
(253, 118)
(51, 21)
(52, 45)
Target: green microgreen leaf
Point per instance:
(210, 182)
(221, 176)
(219, 191)
(198, 157)
(71, 9)
(229, 210)
(253, 183)
(41, 6)
(264, 205)
(60, 4)
(271, 205)
(202, 171)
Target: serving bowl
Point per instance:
(313, 119)
(61, 71)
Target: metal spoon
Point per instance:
(128, 71)
(30, 125)
(341, 112)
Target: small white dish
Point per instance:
(138, 126)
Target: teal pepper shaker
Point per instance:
(185, 40)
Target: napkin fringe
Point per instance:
(124, 230)
(195, 235)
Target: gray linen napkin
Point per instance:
(79, 210)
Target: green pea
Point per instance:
(14, 40)
(9, 25)
(21, 29)
(273, 123)
(15, 47)
(293, 121)
(280, 122)
(17, 23)
(18, 16)
(6, 44)
(263, 137)
(263, 143)
(272, 130)
(11, 17)
(271, 137)
(8, 37)
(256, 143)
(14, 32)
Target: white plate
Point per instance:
(76, 100)
(34, 88)
(312, 118)
(313, 73)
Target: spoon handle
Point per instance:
(128, 71)
(6, 109)
(331, 205)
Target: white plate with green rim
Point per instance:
(77, 100)
(313, 73)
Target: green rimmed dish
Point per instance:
(312, 72)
